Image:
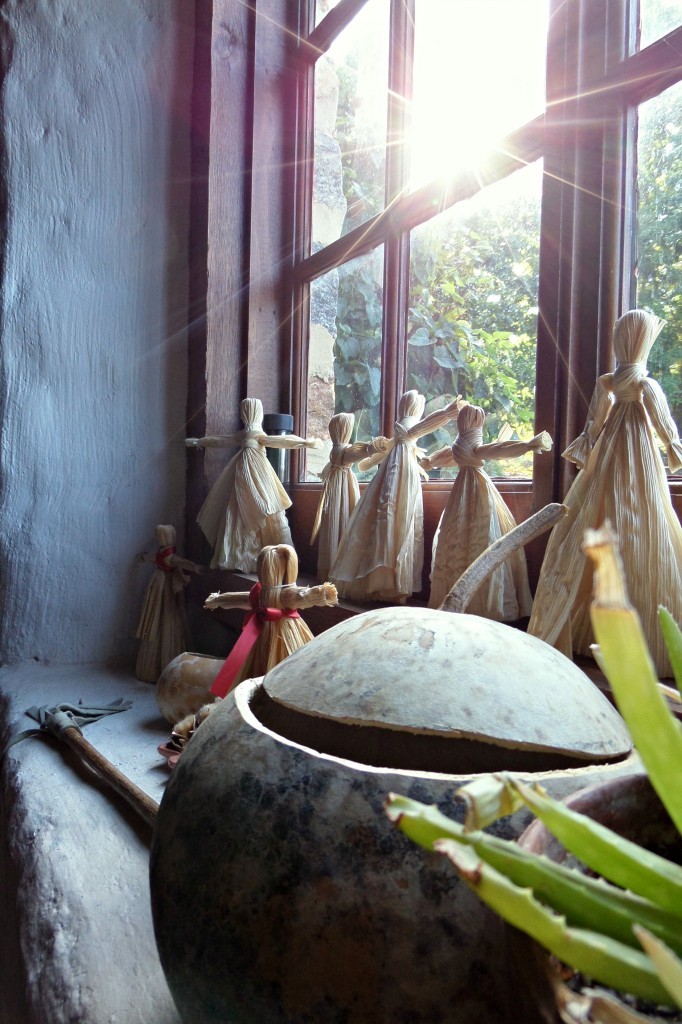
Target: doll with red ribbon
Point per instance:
(273, 629)
(162, 627)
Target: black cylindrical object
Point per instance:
(278, 423)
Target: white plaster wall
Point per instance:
(95, 119)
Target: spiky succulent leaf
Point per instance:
(626, 661)
(619, 860)
(667, 964)
(604, 959)
(672, 634)
(582, 899)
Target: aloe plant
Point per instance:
(624, 928)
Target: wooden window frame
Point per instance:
(259, 269)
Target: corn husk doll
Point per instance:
(622, 478)
(382, 551)
(274, 629)
(474, 517)
(244, 510)
(162, 627)
(340, 493)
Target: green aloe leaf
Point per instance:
(487, 799)
(673, 641)
(610, 855)
(604, 959)
(667, 964)
(582, 899)
(625, 659)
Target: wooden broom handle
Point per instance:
(132, 794)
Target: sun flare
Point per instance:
(479, 72)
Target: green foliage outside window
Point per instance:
(659, 278)
(472, 305)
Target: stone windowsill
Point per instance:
(77, 941)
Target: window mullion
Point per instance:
(582, 235)
(301, 186)
(396, 250)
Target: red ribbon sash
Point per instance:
(253, 624)
(161, 555)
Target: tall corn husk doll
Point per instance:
(244, 510)
(622, 478)
(382, 551)
(274, 630)
(340, 493)
(162, 627)
(474, 517)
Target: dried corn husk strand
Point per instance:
(340, 493)
(474, 517)
(162, 626)
(277, 628)
(244, 510)
(622, 478)
(382, 551)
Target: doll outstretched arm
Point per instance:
(579, 450)
(229, 599)
(294, 597)
(215, 441)
(441, 459)
(289, 441)
(364, 449)
(542, 442)
(436, 419)
(656, 404)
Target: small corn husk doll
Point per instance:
(244, 510)
(622, 479)
(162, 626)
(273, 630)
(381, 554)
(474, 517)
(340, 493)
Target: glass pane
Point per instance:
(344, 351)
(472, 320)
(351, 93)
(479, 72)
(659, 242)
(658, 18)
(322, 8)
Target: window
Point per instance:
(436, 284)
(391, 296)
(358, 252)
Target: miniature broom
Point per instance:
(65, 721)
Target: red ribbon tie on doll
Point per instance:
(253, 624)
(161, 555)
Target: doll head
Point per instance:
(251, 413)
(277, 564)
(411, 405)
(634, 335)
(341, 427)
(471, 417)
(165, 535)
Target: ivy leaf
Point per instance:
(445, 358)
(348, 346)
(421, 337)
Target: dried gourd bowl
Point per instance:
(280, 891)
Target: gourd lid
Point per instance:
(424, 689)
